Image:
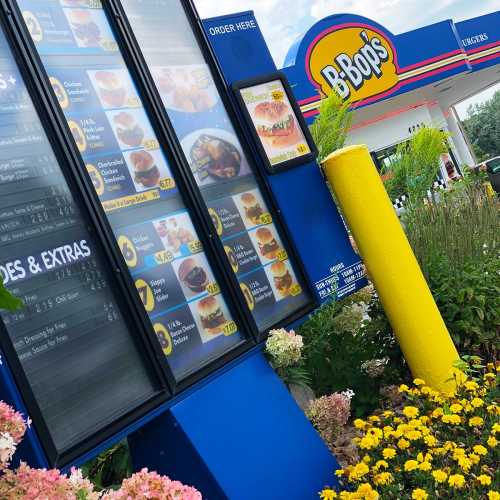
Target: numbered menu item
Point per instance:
(277, 125)
(133, 178)
(73, 344)
(222, 172)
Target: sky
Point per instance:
(283, 21)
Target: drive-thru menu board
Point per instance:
(73, 344)
(134, 181)
(221, 170)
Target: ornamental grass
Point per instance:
(435, 447)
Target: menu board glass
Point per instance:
(72, 342)
(220, 168)
(134, 181)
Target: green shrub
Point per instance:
(456, 242)
(341, 352)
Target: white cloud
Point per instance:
(282, 21)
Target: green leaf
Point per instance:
(8, 301)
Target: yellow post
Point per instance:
(393, 268)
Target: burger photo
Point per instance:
(193, 275)
(84, 28)
(127, 129)
(275, 124)
(252, 207)
(111, 90)
(145, 170)
(268, 245)
(211, 315)
(282, 278)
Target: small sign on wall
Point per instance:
(275, 122)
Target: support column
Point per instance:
(400, 284)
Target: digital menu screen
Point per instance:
(133, 180)
(274, 123)
(73, 344)
(220, 168)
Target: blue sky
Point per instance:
(283, 21)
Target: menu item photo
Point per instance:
(193, 275)
(114, 88)
(267, 243)
(275, 121)
(188, 89)
(282, 278)
(214, 155)
(211, 316)
(86, 30)
(128, 131)
(176, 233)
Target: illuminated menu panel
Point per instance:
(243, 221)
(134, 181)
(72, 342)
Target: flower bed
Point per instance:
(434, 447)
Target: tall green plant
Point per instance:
(416, 164)
(331, 126)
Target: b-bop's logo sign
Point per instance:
(354, 60)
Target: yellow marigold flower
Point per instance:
(430, 440)
(367, 459)
(471, 385)
(492, 441)
(413, 435)
(475, 459)
(411, 465)
(339, 472)
(367, 492)
(426, 390)
(465, 464)
(480, 449)
(449, 445)
(414, 423)
(410, 411)
(484, 479)
(359, 423)
(477, 402)
(495, 409)
(456, 408)
(403, 444)
(388, 413)
(437, 412)
(419, 381)
(439, 451)
(374, 418)
(468, 408)
(451, 419)
(368, 442)
(397, 420)
(375, 432)
(345, 495)
(456, 480)
(403, 388)
(388, 431)
(495, 428)
(489, 376)
(476, 421)
(383, 478)
(493, 495)
(425, 466)
(388, 453)
(414, 392)
(439, 475)
(381, 463)
(327, 494)
(358, 471)
(419, 494)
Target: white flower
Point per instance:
(76, 477)
(7, 447)
(348, 393)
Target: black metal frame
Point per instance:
(237, 87)
(128, 311)
(175, 386)
(149, 89)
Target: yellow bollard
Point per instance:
(394, 270)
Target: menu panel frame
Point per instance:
(159, 377)
(117, 11)
(290, 106)
(86, 186)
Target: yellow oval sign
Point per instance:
(356, 62)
